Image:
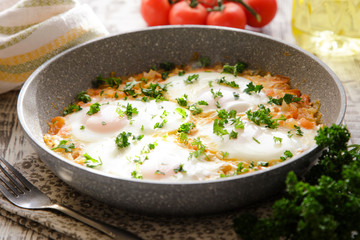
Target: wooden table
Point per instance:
(116, 17)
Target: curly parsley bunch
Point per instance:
(326, 205)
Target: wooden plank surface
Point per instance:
(121, 16)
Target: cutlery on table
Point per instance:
(22, 193)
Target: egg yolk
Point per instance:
(105, 121)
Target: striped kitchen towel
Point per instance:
(33, 31)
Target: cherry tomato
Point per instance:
(155, 12)
(232, 15)
(182, 13)
(265, 8)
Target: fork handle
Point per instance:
(103, 227)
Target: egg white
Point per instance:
(202, 88)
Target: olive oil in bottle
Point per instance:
(327, 27)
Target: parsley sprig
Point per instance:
(83, 96)
(200, 149)
(113, 82)
(323, 205)
(191, 78)
(236, 69)
(63, 145)
(250, 88)
(71, 108)
(288, 98)
(92, 162)
(94, 108)
(263, 116)
(223, 81)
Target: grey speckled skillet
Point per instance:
(60, 79)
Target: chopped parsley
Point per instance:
(164, 75)
(223, 81)
(276, 101)
(190, 79)
(130, 111)
(217, 94)
(160, 124)
(224, 117)
(82, 127)
(159, 172)
(111, 81)
(92, 162)
(288, 98)
(94, 108)
(136, 174)
(182, 112)
(128, 89)
(186, 127)
(195, 109)
(233, 134)
(218, 104)
(122, 140)
(182, 101)
(63, 145)
(71, 108)
(200, 149)
(155, 90)
(202, 102)
(236, 95)
(277, 139)
(287, 154)
(219, 128)
(241, 168)
(236, 69)
(257, 141)
(299, 132)
(263, 116)
(119, 112)
(263, 164)
(181, 73)
(224, 154)
(180, 169)
(83, 96)
(250, 88)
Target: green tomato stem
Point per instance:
(250, 9)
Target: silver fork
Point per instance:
(22, 193)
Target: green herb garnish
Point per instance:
(323, 205)
(122, 140)
(63, 145)
(83, 96)
(236, 69)
(92, 162)
(71, 108)
(223, 81)
(182, 101)
(190, 79)
(180, 169)
(94, 108)
(250, 88)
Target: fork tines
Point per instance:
(11, 179)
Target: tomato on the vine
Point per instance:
(265, 8)
(183, 13)
(155, 12)
(208, 3)
(232, 15)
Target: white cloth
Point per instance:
(33, 31)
